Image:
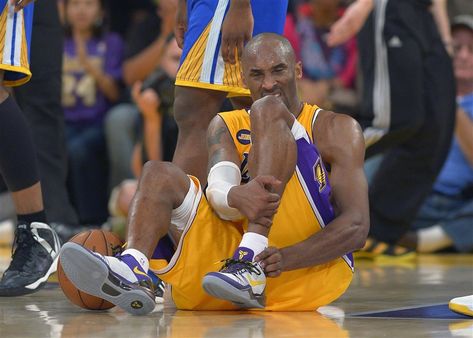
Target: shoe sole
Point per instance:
(243, 298)
(93, 276)
(461, 309)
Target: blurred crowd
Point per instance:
(120, 60)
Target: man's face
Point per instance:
(463, 54)
(270, 71)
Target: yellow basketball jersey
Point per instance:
(304, 210)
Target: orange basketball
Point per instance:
(103, 242)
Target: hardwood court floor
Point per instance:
(376, 288)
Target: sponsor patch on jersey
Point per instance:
(244, 136)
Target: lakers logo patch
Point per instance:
(244, 136)
(319, 175)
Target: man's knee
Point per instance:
(159, 177)
(268, 111)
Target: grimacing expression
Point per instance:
(269, 68)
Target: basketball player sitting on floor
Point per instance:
(268, 197)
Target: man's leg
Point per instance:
(272, 140)
(408, 171)
(40, 101)
(32, 262)
(123, 280)
(193, 110)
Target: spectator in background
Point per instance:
(91, 77)
(446, 217)
(144, 46)
(154, 98)
(329, 72)
(407, 111)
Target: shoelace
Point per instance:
(235, 265)
(22, 250)
(117, 250)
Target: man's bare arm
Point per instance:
(181, 23)
(220, 144)
(251, 199)
(237, 29)
(350, 23)
(439, 12)
(340, 141)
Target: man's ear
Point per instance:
(298, 70)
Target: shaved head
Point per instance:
(265, 43)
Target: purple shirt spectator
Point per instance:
(83, 103)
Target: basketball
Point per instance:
(103, 242)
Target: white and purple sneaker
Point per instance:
(119, 280)
(240, 281)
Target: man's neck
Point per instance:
(296, 108)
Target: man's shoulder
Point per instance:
(329, 121)
(338, 135)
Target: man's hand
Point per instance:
(255, 199)
(271, 261)
(180, 27)
(237, 29)
(350, 23)
(20, 4)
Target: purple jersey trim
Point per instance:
(318, 193)
(307, 159)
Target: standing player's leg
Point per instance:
(40, 101)
(241, 280)
(193, 110)
(36, 244)
(123, 280)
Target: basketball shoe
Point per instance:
(119, 280)
(382, 252)
(35, 254)
(159, 286)
(240, 281)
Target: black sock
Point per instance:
(39, 216)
